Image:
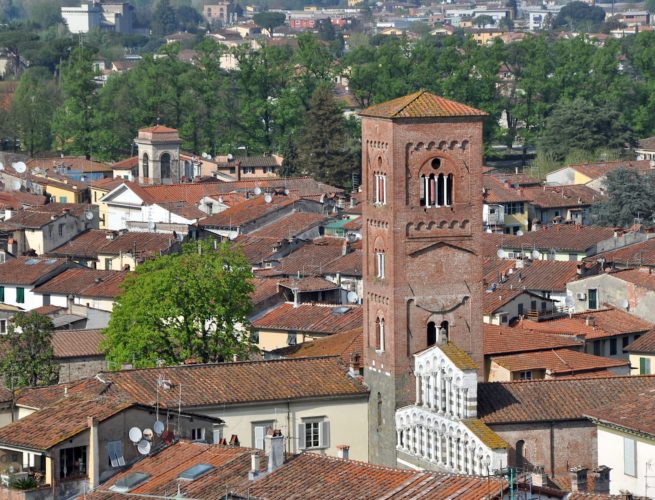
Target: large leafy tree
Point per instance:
(580, 125)
(27, 357)
(164, 21)
(324, 151)
(630, 197)
(191, 305)
(73, 122)
(269, 20)
(32, 108)
(579, 16)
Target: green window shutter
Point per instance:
(644, 366)
(20, 295)
(2, 293)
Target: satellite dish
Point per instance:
(258, 191)
(286, 191)
(268, 198)
(135, 434)
(536, 254)
(19, 167)
(230, 157)
(624, 303)
(500, 253)
(568, 301)
(158, 427)
(89, 215)
(143, 447)
(148, 434)
(220, 199)
(519, 233)
(2, 166)
(353, 298)
(167, 437)
(16, 185)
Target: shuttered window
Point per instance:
(629, 457)
(115, 452)
(314, 434)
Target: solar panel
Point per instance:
(196, 471)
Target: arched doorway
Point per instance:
(165, 162)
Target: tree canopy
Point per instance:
(269, 20)
(27, 356)
(192, 305)
(630, 197)
(579, 16)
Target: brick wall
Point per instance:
(77, 368)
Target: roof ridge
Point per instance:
(606, 377)
(230, 363)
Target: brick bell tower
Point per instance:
(422, 179)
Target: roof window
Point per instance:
(195, 472)
(129, 482)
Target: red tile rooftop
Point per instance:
(419, 105)
(561, 237)
(311, 318)
(504, 340)
(559, 362)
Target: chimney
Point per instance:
(342, 451)
(539, 477)
(296, 297)
(9, 213)
(94, 453)
(626, 495)
(578, 476)
(355, 365)
(254, 465)
(589, 321)
(601, 475)
(275, 446)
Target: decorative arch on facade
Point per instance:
(145, 165)
(165, 165)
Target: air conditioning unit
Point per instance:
(581, 296)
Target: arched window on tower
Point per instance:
(432, 333)
(379, 264)
(436, 190)
(165, 162)
(444, 332)
(440, 190)
(145, 164)
(449, 190)
(379, 334)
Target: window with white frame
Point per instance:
(314, 433)
(259, 430)
(629, 457)
(379, 334)
(379, 264)
(198, 434)
(3, 326)
(380, 189)
(525, 375)
(115, 453)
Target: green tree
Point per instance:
(32, 109)
(14, 41)
(164, 20)
(630, 196)
(650, 6)
(578, 16)
(324, 149)
(73, 122)
(580, 125)
(483, 20)
(269, 20)
(27, 356)
(191, 305)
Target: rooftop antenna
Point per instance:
(179, 410)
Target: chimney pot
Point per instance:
(342, 451)
(578, 479)
(275, 446)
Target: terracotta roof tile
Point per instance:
(503, 340)
(420, 104)
(345, 344)
(492, 301)
(544, 400)
(637, 254)
(562, 196)
(458, 356)
(537, 275)
(561, 237)
(247, 211)
(85, 281)
(308, 284)
(50, 426)
(559, 362)
(313, 258)
(237, 383)
(515, 179)
(158, 129)
(636, 413)
(264, 289)
(491, 242)
(308, 475)
(257, 250)
(497, 192)
(640, 277)
(645, 343)
(350, 264)
(29, 270)
(593, 324)
(314, 318)
(77, 343)
(597, 170)
(75, 163)
(290, 225)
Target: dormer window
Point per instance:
(380, 189)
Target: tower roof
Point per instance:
(158, 129)
(421, 104)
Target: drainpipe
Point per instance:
(94, 454)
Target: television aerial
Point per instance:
(143, 447)
(135, 434)
(268, 198)
(352, 297)
(258, 191)
(158, 427)
(19, 167)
